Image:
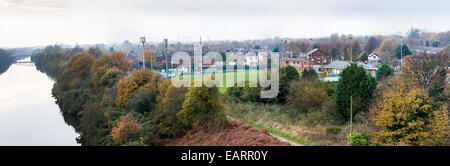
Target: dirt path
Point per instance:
(273, 135)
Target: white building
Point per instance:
(251, 60)
(373, 58)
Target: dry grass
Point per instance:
(236, 134)
(311, 128)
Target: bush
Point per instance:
(309, 75)
(136, 143)
(127, 130)
(405, 115)
(287, 75)
(333, 130)
(358, 139)
(245, 94)
(144, 102)
(327, 114)
(306, 96)
(143, 80)
(201, 107)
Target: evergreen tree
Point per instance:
(384, 71)
(356, 83)
(405, 52)
(287, 75)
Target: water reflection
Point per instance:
(28, 113)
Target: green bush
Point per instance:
(358, 139)
(333, 130)
(144, 102)
(202, 107)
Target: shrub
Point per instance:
(309, 75)
(406, 117)
(246, 93)
(287, 75)
(126, 130)
(136, 143)
(201, 107)
(358, 139)
(333, 130)
(306, 96)
(144, 102)
(143, 80)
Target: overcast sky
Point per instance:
(43, 22)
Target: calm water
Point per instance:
(28, 113)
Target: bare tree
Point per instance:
(425, 68)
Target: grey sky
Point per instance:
(42, 22)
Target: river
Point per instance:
(28, 112)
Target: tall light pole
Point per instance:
(143, 51)
(401, 51)
(165, 53)
(138, 56)
(351, 49)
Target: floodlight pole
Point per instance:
(165, 52)
(351, 49)
(401, 52)
(143, 51)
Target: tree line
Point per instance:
(109, 103)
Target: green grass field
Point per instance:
(237, 76)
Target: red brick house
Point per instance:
(318, 57)
(299, 63)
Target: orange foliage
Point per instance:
(125, 127)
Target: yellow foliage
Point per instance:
(306, 95)
(104, 63)
(406, 118)
(170, 98)
(142, 80)
(79, 65)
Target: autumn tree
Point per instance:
(406, 117)
(386, 47)
(77, 71)
(447, 50)
(127, 130)
(143, 80)
(355, 83)
(425, 68)
(371, 45)
(306, 95)
(103, 64)
(80, 65)
(170, 102)
(149, 55)
(111, 76)
(202, 107)
(95, 51)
